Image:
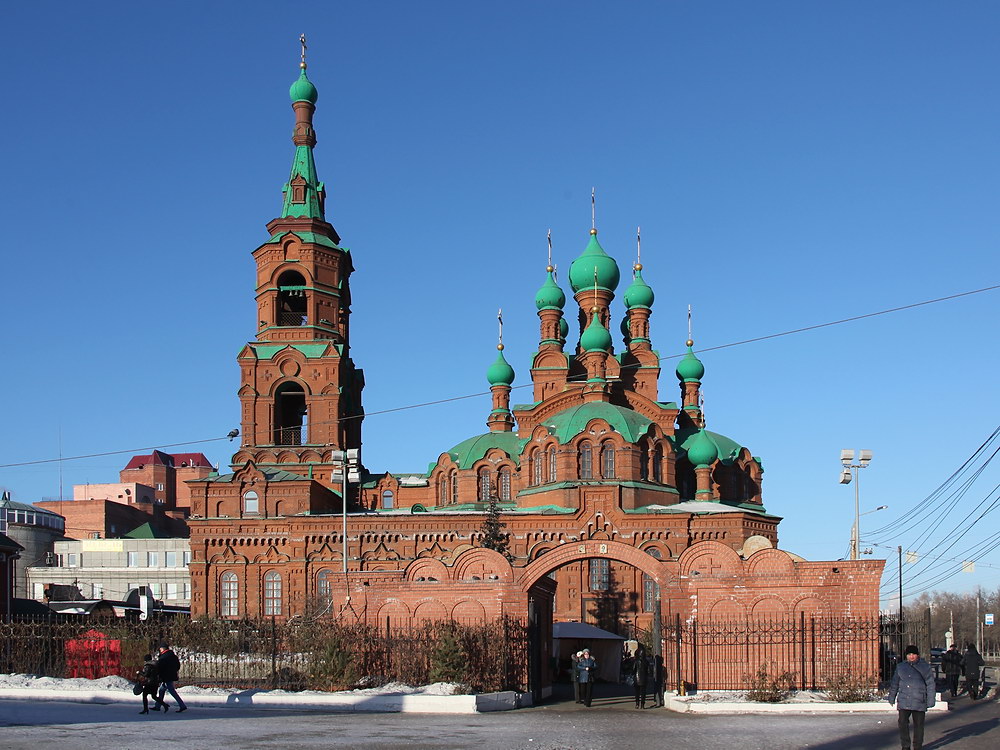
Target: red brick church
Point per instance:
(618, 504)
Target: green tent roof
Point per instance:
(729, 449)
(567, 424)
(466, 453)
(147, 531)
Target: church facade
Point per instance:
(621, 505)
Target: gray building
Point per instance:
(109, 568)
(34, 529)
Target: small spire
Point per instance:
(595, 288)
(500, 323)
(690, 341)
(302, 41)
(549, 267)
(638, 249)
(593, 210)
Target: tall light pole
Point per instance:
(847, 460)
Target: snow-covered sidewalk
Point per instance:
(394, 697)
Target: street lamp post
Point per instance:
(847, 460)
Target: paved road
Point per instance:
(609, 725)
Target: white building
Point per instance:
(109, 568)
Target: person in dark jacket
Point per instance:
(912, 692)
(574, 675)
(148, 678)
(640, 676)
(656, 673)
(973, 664)
(951, 663)
(169, 666)
(587, 667)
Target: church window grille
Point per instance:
(229, 595)
(484, 485)
(658, 464)
(454, 486)
(505, 485)
(443, 490)
(324, 587)
(552, 465)
(649, 587)
(289, 414)
(536, 467)
(586, 461)
(608, 461)
(600, 574)
(388, 500)
(292, 301)
(272, 593)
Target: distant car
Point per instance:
(936, 654)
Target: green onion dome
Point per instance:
(303, 90)
(702, 451)
(690, 369)
(500, 373)
(596, 338)
(563, 328)
(626, 329)
(581, 272)
(550, 295)
(638, 293)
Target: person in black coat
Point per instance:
(148, 678)
(912, 690)
(973, 664)
(587, 668)
(951, 664)
(640, 676)
(169, 666)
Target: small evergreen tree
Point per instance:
(448, 659)
(494, 532)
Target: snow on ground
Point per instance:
(739, 696)
(120, 683)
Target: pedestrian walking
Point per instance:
(574, 674)
(951, 663)
(169, 666)
(657, 676)
(912, 692)
(587, 667)
(640, 676)
(148, 679)
(973, 664)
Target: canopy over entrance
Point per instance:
(605, 647)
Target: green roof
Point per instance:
(147, 531)
(593, 261)
(267, 351)
(271, 475)
(729, 449)
(303, 90)
(567, 424)
(313, 237)
(466, 453)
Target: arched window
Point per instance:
(553, 474)
(443, 490)
(272, 593)
(388, 500)
(600, 574)
(658, 464)
(643, 460)
(608, 460)
(292, 299)
(484, 485)
(536, 467)
(229, 595)
(454, 486)
(649, 587)
(586, 461)
(251, 502)
(289, 414)
(505, 485)
(324, 587)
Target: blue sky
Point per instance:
(790, 164)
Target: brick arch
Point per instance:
(710, 558)
(426, 568)
(573, 552)
(770, 562)
(482, 564)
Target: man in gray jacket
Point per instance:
(912, 691)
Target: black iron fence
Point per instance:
(814, 651)
(316, 655)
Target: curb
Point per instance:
(421, 704)
(683, 705)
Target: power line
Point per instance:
(529, 385)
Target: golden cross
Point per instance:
(302, 41)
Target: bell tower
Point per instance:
(300, 391)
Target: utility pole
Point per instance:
(847, 460)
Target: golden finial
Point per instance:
(302, 41)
